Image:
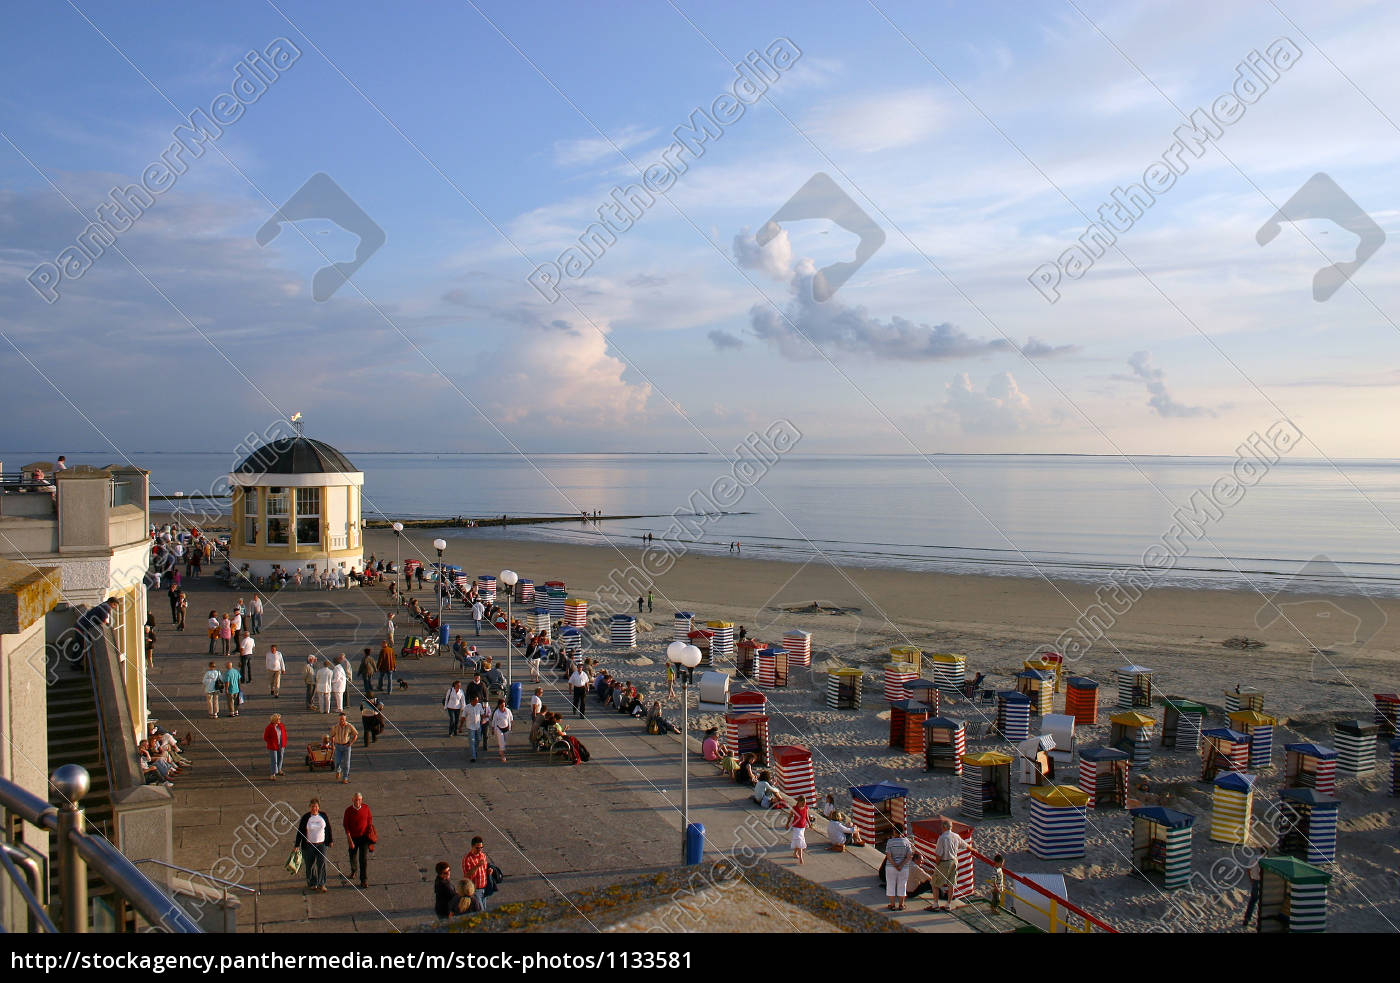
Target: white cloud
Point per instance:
(590, 150)
(879, 122)
(1000, 408)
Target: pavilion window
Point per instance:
(250, 516)
(278, 516)
(308, 516)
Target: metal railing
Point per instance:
(1060, 914)
(77, 851)
(224, 885)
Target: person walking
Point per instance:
(649, 599)
(798, 821)
(360, 836)
(213, 681)
(639, 603)
(276, 666)
(454, 703)
(245, 655)
(899, 858)
(213, 630)
(225, 635)
(501, 719)
(313, 837)
(233, 688)
(578, 683)
(478, 612)
(150, 641)
(476, 714)
(308, 676)
(343, 736)
(256, 609)
(323, 686)
(476, 867)
(387, 663)
(174, 604)
(275, 739)
(670, 679)
(389, 629)
(443, 896)
(366, 672)
(182, 604)
(340, 679)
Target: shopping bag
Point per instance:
(294, 861)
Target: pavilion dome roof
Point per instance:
(295, 455)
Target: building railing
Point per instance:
(224, 885)
(77, 853)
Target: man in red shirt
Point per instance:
(359, 827)
(475, 867)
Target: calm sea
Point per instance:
(1076, 518)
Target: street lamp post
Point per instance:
(509, 578)
(398, 535)
(439, 545)
(684, 657)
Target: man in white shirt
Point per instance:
(245, 655)
(945, 872)
(340, 678)
(454, 703)
(476, 713)
(257, 613)
(578, 682)
(276, 665)
(478, 612)
(323, 687)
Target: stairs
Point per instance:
(73, 738)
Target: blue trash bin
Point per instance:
(694, 843)
(443, 641)
(514, 701)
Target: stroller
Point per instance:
(318, 756)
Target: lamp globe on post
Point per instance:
(439, 545)
(685, 657)
(398, 536)
(509, 578)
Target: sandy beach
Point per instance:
(997, 622)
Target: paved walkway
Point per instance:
(551, 828)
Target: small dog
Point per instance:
(403, 684)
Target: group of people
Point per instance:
(162, 757)
(480, 878)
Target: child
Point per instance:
(997, 881)
(536, 703)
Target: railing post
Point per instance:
(72, 783)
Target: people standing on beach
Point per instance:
(323, 686)
(343, 736)
(945, 870)
(360, 836)
(388, 662)
(276, 666)
(1256, 885)
(649, 608)
(245, 655)
(578, 682)
(475, 715)
(275, 739)
(454, 703)
(798, 820)
(476, 867)
(899, 857)
(212, 680)
(313, 837)
(366, 672)
(670, 679)
(232, 687)
(501, 719)
(340, 681)
(639, 604)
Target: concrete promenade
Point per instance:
(551, 828)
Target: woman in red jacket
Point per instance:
(359, 831)
(275, 737)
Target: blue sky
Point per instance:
(482, 138)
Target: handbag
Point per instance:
(293, 864)
(372, 834)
